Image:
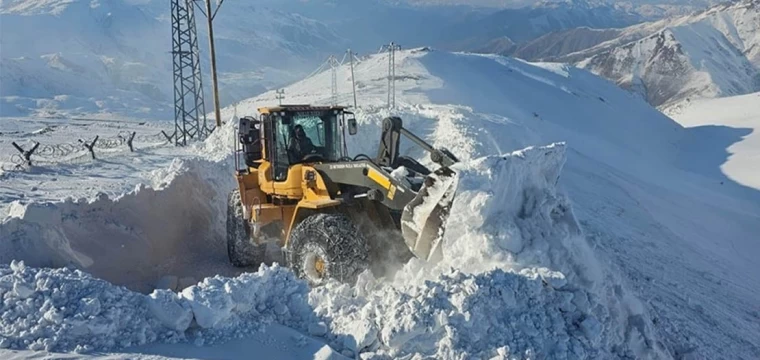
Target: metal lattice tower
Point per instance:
(392, 47)
(334, 64)
(280, 95)
(189, 107)
(353, 78)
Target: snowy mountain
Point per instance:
(112, 57)
(84, 53)
(527, 23)
(551, 45)
(712, 53)
(109, 58)
(579, 246)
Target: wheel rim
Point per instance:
(314, 264)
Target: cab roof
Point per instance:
(288, 108)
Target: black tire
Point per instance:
(240, 248)
(332, 239)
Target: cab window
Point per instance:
(304, 135)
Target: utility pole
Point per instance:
(353, 79)
(214, 83)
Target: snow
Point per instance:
(488, 292)
(708, 54)
(630, 174)
(61, 309)
(111, 59)
(129, 218)
(568, 237)
(739, 115)
(68, 310)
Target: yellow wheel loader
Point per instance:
(331, 214)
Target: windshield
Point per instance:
(305, 136)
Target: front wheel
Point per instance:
(327, 246)
(241, 250)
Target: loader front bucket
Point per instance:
(424, 218)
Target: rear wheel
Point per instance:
(241, 250)
(327, 246)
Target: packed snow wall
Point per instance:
(518, 279)
(174, 227)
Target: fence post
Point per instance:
(26, 154)
(90, 146)
(129, 141)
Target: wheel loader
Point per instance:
(331, 215)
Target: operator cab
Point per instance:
(295, 134)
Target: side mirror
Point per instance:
(352, 126)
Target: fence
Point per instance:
(34, 153)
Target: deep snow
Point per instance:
(583, 248)
(734, 117)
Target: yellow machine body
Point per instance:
(296, 165)
(310, 196)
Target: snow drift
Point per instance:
(133, 239)
(518, 280)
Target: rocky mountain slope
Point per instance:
(712, 53)
(527, 23)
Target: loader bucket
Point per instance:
(424, 218)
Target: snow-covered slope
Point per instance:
(711, 54)
(86, 56)
(529, 22)
(737, 116)
(601, 240)
(113, 57)
(556, 43)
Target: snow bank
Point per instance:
(65, 310)
(517, 280)
(133, 239)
